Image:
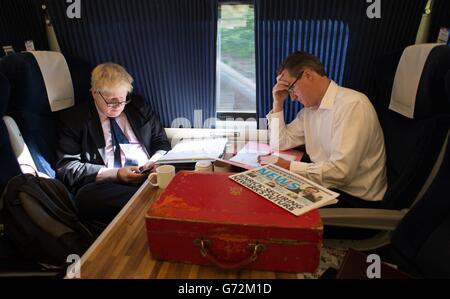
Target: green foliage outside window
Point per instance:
(236, 33)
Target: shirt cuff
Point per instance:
(298, 167)
(107, 174)
(272, 114)
(276, 123)
(157, 155)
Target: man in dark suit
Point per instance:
(105, 142)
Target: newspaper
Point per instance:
(288, 190)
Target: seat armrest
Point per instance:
(362, 218)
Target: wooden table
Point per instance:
(121, 251)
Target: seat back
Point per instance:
(413, 112)
(19, 147)
(10, 167)
(422, 239)
(42, 83)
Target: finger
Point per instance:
(280, 88)
(137, 178)
(281, 75)
(149, 164)
(136, 174)
(133, 168)
(263, 160)
(282, 82)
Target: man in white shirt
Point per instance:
(339, 128)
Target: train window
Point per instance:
(236, 87)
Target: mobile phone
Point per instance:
(144, 171)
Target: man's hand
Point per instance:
(150, 165)
(130, 174)
(272, 159)
(279, 92)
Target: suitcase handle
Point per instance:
(204, 244)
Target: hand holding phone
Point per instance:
(143, 170)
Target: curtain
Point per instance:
(20, 21)
(339, 32)
(168, 46)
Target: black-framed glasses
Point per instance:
(291, 87)
(115, 103)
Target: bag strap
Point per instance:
(60, 193)
(68, 216)
(39, 215)
(41, 196)
(40, 189)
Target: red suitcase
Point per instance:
(206, 218)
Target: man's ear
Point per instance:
(310, 74)
(307, 74)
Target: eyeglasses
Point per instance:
(291, 87)
(115, 101)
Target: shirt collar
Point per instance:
(328, 99)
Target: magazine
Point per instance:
(288, 190)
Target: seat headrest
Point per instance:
(57, 79)
(4, 93)
(418, 90)
(28, 90)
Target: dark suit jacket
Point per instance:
(81, 143)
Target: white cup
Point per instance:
(220, 166)
(164, 174)
(203, 166)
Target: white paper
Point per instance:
(196, 149)
(135, 151)
(249, 154)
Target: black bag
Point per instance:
(41, 220)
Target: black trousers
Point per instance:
(346, 200)
(102, 201)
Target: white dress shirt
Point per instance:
(343, 139)
(138, 152)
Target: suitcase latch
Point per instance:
(204, 244)
(255, 248)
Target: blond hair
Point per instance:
(110, 77)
